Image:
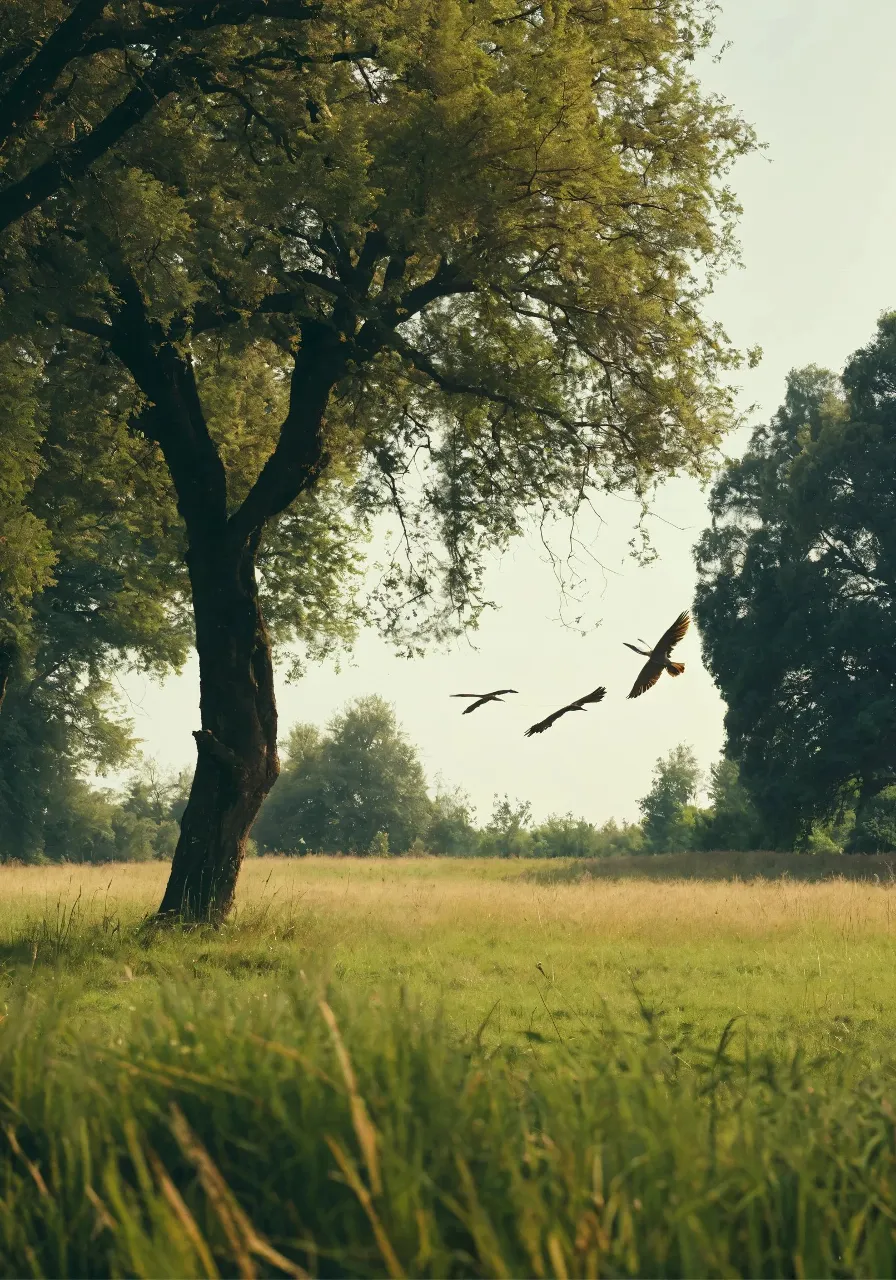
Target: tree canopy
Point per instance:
(797, 592)
(669, 813)
(338, 791)
(438, 258)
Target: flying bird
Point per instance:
(579, 705)
(658, 659)
(482, 698)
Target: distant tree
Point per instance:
(349, 790)
(506, 835)
(563, 836)
(151, 807)
(731, 822)
(51, 736)
(619, 841)
(463, 247)
(670, 817)
(451, 828)
(797, 597)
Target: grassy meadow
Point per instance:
(452, 1067)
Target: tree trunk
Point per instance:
(7, 660)
(237, 745)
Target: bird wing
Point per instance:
(548, 721)
(647, 677)
(480, 702)
(597, 696)
(675, 633)
(468, 695)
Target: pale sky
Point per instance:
(815, 77)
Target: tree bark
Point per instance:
(237, 745)
(7, 660)
(237, 760)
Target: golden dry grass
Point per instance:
(798, 962)
(415, 895)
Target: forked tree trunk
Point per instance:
(237, 745)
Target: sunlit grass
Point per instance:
(798, 963)
(542, 1072)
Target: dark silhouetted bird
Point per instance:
(658, 659)
(579, 705)
(482, 698)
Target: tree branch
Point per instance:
(71, 162)
(300, 455)
(67, 43)
(23, 97)
(162, 31)
(214, 748)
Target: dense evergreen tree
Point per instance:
(452, 247)
(797, 601)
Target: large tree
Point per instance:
(797, 601)
(459, 244)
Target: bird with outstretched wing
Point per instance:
(482, 698)
(579, 705)
(658, 659)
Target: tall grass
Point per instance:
(387, 1067)
(313, 1133)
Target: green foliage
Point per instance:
(731, 822)
(795, 604)
(498, 217)
(50, 734)
(568, 837)
(149, 813)
(242, 1118)
(26, 553)
(379, 845)
(358, 788)
(670, 818)
(451, 829)
(506, 835)
(875, 828)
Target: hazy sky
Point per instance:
(816, 79)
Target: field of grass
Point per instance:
(451, 1067)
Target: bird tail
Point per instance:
(675, 668)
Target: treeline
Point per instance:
(360, 787)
